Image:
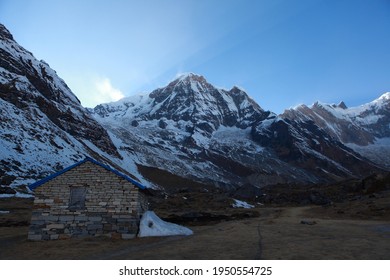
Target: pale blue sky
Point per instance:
(282, 52)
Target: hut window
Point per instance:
(77, 198)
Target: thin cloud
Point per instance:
(105, 92)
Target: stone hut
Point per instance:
(87, 199)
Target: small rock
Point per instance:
(135, 123)
(307, 222)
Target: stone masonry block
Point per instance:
(55, 226)
(95, 219)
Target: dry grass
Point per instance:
(349, 230)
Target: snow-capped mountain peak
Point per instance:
(362, 128)
(189, 76)
(342, 105)
(385, 96)
(188, 99)
(187, 131)
(190, 82)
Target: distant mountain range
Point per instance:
(186, 133)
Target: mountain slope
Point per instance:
(223, 137)
(43, 126)
(365, 129)
(187, 131)
(191, 101)
(184, 128)
(305, 145)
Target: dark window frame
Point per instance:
(77, 198)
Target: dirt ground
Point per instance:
(358, 229)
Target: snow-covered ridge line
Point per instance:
(12, 49)
(43, 124)
(188, 97)
(188, 128)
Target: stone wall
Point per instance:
(112, 207)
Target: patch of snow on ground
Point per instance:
(152, 225)
(242, 204)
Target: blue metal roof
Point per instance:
(50, 177)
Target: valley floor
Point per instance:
(310, 232)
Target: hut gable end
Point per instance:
(86, 199)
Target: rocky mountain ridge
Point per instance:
(189, 132)
(43, 126)
(188, 99)
(223, 137)
(365, 128)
